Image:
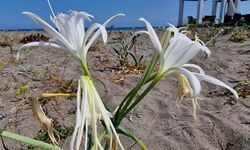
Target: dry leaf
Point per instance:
(43, 119)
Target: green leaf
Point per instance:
(28, 140)
(121, 130)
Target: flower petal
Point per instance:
(78, 117)
(216, 82)
(204, 47)
(180, 51)
(152, 35)
(91, 29)
(50, 30)
(98, 32)
(71, 26)
(40, 43)
(83, 118)
(201, 71)
(86, 44)
(192, 79)
(113, 17)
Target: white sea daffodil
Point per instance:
(70, 34)
(90, 110)
(174, 55)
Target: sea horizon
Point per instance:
(108, 29)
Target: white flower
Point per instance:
(71, 35)
(187, 87)
(179, 50)
(90, 110)
(174, 53)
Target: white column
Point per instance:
(237, 5)
(222, 10)
(200, 11)
(181, 11)
(214, 8)
(231, 10)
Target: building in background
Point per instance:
(228, 8)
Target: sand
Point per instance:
(222, 122)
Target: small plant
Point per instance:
(7, 42)
(208, 33)
(238, 34)
(243, 88)
(22, 90)
(62, 131)
(212, 34)
(227, 30)
(125, 48)
(34, 37)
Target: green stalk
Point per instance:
(137, 100)
(130, 96)
(128, 134)
(58, 95)
(123, 110)
(85, 69)
(29, 141)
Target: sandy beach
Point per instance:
(222, 122)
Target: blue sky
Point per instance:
(158, 12)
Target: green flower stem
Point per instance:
(123, 110)
(29, 141)
(130, 96)
(151, 78)
(58, 95)
(147, 90)
(85, 69)
(128, 134)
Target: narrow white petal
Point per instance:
(100, 31)
(173, 29)
(113, 17)
(83, 119)
(192, 79)
(153, 36)
(116, 136)
(92, 29)
(203, 45)
(40, 43)
(206, 50)
(201, 71)
(50, 30)
(216, 82)
(78, 117)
